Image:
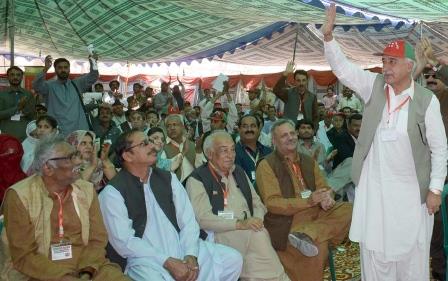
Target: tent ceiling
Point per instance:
(359, 46)
(239, 31)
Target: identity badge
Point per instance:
(61, 251)
(305, 194)
(228, 215)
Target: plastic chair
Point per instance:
(445, 225)
(331, 264)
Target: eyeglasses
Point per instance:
(429, 75)
(70, 157)
(144, 143)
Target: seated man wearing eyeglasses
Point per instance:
(152, 229)
(53, 223)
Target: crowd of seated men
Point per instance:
(148, 187)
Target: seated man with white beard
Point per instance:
(229, 210)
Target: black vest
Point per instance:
(131, 188)
(214, 190)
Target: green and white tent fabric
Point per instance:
(248, 32)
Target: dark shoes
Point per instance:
(303, 243)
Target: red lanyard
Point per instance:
(389, 113)
(60, 215)
(225, 189)
(297, 172)
(184, 148)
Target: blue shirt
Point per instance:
(63, 103)
(247, 159)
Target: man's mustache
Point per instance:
(431, 83)
(249, 132)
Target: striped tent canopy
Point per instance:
(249, 32)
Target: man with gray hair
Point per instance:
(53, 223)
(300, 204)
(229, 210)
(399, 162)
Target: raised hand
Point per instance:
(289, 68)
(48, 63)
(327, 28)
(428, 51)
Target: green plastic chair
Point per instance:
(445, 225)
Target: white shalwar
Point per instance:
(146, 256)
(389, 221)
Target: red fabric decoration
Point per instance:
(11, 153)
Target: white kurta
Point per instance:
(387, 214)
(146, 255)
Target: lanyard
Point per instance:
(398, 108)
(302, 103)
(60, 215)
(225, 189)
(297, 172)
(182, 147)
(255, 160)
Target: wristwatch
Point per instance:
(436, 67)
(436, 192)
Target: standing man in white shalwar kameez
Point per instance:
(399, 163)
(152, 229)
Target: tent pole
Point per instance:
(295, 44)
(421, 30)
(11, 30)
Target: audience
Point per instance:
(307, 144)
(255, 184)
(229, 210)
(157, 137)
(17, 105)
(177, 143)
(338, 124)
(118, 115)
(63, 96)
(53, 222)
(104, 127)
(43, 126)
(349, 100)
(303, 219)
(248, 149)
(298, 95)
(152, 229)
(93, 169)
(345, 142)
(330, 99)
(164, 99)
